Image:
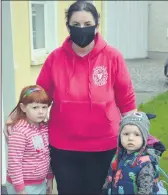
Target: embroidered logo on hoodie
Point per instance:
(100, 75)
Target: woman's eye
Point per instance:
(76, 25)
(88, 24)
(34, 107)
(137, 134)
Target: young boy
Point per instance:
(134, 169)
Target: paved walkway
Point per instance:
(148, 78)
(3, 190)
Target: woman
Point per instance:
(90, 87)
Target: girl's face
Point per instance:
(82, 19)
(131, 138)
(35, 112)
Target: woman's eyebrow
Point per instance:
(88, 22)
(75, 22)
(79, 22)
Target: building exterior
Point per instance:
(127, 27)
(32, 29)
(139, 29)
(158, 29)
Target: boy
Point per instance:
(134, 169)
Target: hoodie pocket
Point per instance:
(83, 119)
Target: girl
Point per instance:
(28, 151)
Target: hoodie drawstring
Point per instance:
(71, 73)
(89, 85)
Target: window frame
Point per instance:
(41, 50)
(38, 56)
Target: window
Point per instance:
(42, 29)
(38, 26)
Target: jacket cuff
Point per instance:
(50, 176)
(19, 187)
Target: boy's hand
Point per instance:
(49, 186)
(109, 179)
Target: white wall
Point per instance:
(158, 26)
(8, 82)
(126, 27)
(8, 77)
(4, 151)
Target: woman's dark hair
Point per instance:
(82, 6)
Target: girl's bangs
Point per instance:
(38, 97)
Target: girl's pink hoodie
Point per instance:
(88, 94)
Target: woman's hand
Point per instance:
(7, 131)
(49, 186)
(8, 126)
(126, 113)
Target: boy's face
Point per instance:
(131, 138)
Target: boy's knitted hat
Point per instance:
(138, 119)
(141, 120)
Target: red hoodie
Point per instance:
(88, 95)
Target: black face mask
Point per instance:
(82, 36)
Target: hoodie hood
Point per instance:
(100, 44)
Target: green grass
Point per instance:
(159, 125)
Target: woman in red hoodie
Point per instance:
(90, 87)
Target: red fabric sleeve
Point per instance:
(123, 87)
(45, 77)
(16, 147)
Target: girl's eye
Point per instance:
(45, 107)
(137, 134)
(126, 134)
(34, 107)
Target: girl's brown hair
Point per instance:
(29, 94)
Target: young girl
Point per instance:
(28, 169)
(134, 169)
